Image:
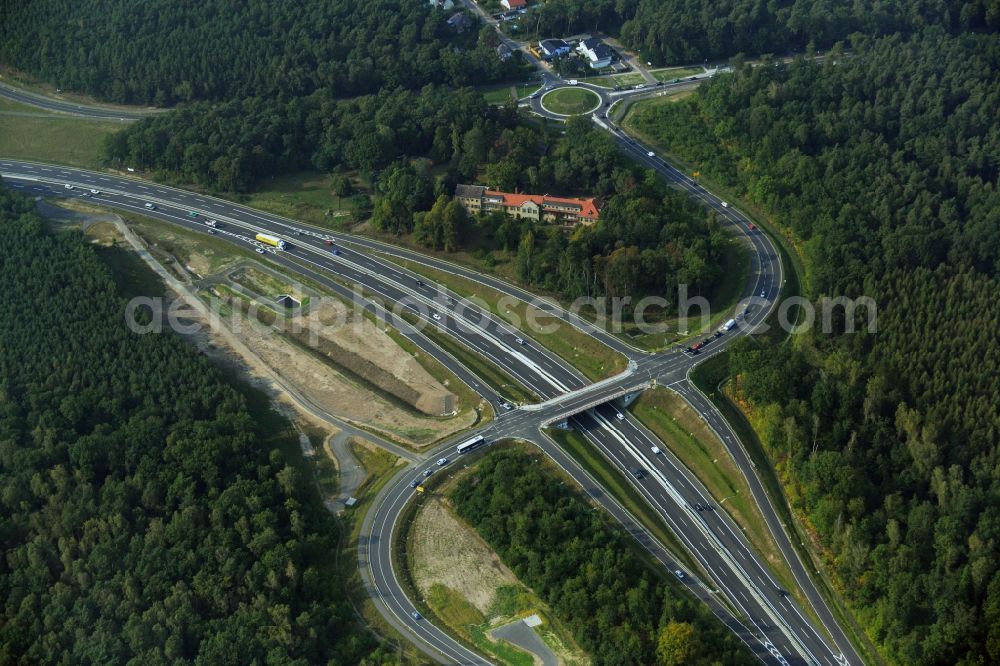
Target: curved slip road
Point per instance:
(786, 637)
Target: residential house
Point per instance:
(537, 207)
(597, 54)
(553, 48)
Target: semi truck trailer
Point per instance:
(273, 241)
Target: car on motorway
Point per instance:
(441, 462)
(718, 334)
(69, 187)
(150, 206)
(763, 294)
(336, 252)
(95, 192)
(506, 406)
(414, 483)
(639, 473)
(420, 283)
(191, 213)
(679, 574)
(751, 226)
(259, 250)
(415, 615)
(639, 86)
(211, 231)
(676, 81)
(428, 471)
(724, 204)
(519, 341)
(436, 316)
(651, 154)
(655, 450)
(619, 416)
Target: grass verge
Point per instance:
(618, 486)
(678, 426)
(502, 383)
(582, 351)
(54, 138)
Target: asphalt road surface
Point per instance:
(22, 96)
(770, 625)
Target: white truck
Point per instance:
(728, 326)
(273, 241)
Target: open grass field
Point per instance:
(53, 138)
(306, 195)
(570, 101)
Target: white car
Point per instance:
(441, 462)
(679, 574)
(505, 405)
(519, 341)
(619, 416)
(724, 204)
(656, 450)
(150, 206)
(259, 250)
(69, 187)
(651, 154)
(436, 316)
(95, 192)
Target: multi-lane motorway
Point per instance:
(768, 620)
(736, 584)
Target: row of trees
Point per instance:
(880, 164)
(163, 52)
(619, 609)
(146, 517)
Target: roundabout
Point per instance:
(570, 101)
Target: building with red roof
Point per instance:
(538, 207)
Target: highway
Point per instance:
(738, 588)
(565, 392)
(95, 112)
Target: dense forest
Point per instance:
(144, 520)
(162, 51)
(883, 167)
(689, 31)
(619, 609)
